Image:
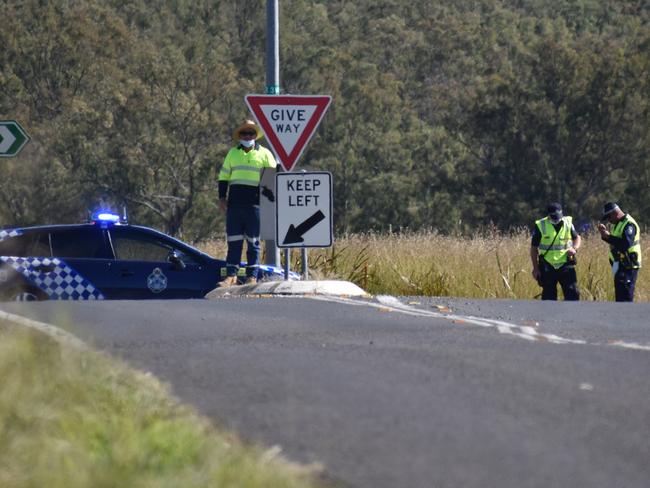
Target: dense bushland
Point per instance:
(447, 115)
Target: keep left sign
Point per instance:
(304, 209)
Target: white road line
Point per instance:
(53, 331)
(529, 330)
(393, 304)
(387, 302)
(630, 345)
(524, 332)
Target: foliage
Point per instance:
(448, 115)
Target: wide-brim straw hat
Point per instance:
(247, 125)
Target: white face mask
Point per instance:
(246, 143)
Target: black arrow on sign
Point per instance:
(294, 234)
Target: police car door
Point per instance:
(143, 267)
(26, 267)
(82, 269)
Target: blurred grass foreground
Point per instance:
(77, 418)
(489, 265)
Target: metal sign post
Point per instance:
(288, 122)
(272, 88)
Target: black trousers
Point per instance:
(565, 276)
(624, 283)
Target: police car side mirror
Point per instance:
(177, 262)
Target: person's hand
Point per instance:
(223, 205)
(572, 251)
(603, 230)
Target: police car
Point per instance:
(106, 259)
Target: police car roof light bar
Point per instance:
(104, 218)
(107, 217)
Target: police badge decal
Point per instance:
(157, 281)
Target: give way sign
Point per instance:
(288, 122)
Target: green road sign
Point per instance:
(12, 138)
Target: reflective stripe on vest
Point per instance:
(617, 231)
(554, 249)
(245, 168)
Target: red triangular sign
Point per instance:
(288, 122)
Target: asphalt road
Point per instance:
(403, 393)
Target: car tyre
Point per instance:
(25, 294)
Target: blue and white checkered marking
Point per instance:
(264, 268)
(278, 271)
(62, 283)
(6, 234)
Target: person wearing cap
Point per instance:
(553, 254)
(624, 249)
(239, 197)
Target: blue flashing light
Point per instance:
(107, 217)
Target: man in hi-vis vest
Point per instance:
(553, 253)
(624, 249)
(239, 181)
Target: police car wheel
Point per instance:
(24, 295)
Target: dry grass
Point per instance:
(492, 265)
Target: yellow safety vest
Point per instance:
(245, 168)
(552, 248)
(624, 258)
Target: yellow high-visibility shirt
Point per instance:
(245, 168)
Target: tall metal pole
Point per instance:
(272, 48)
(272, 88)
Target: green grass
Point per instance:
(490, 265)
(76, 418)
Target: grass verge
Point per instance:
(488, 265)
(77, 418)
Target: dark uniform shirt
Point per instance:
(623, 243)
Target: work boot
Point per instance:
(251, 280)
(228, 281)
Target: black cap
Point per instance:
(608, 208)
(554, 210)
